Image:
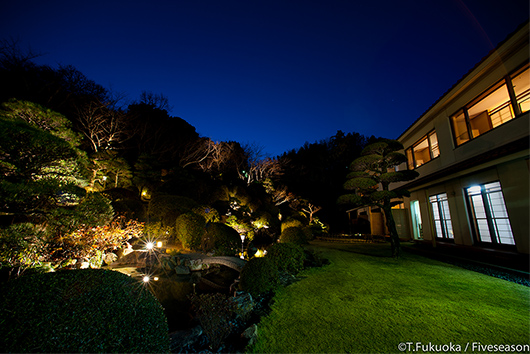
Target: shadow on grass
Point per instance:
(379, 250)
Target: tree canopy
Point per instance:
(370, 178)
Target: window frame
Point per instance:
(491, 219)
(512, 103)
(446, 224)
(409, 152)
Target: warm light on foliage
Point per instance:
(260, 253)
(92, 241)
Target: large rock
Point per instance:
(196, 265)
(187, 341)
(251, 333)
(182, 270)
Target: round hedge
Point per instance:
(293, 235)
(208, 213)
(89, 310)
(222, 240)
(190, 228)
(291, 222)
(289, 257)
(258, 276)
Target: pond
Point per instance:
(174, 290)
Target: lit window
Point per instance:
(423, 151)
(493, 107)
(441, 215)
(521, 87)
(460, 128)
(490, 217)
(491, 111)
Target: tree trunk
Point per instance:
(391, 225)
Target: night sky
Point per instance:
(273, 73)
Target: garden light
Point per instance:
(149, 245)
(146, 279)
(159, 244)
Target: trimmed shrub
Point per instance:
(91, 310)
(167, 208)
(208, 213)
(221, 239)
(289, 257)
(293, 235)
(258, 276)
(190, 228)
(290, 222)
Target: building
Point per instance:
(471, 150)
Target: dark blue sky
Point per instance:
(274, 73)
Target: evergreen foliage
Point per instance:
(287, 256)
(190, 229)
(221, 239)
(371, 175)
(293, 235)
(88, 311)
(259, 275)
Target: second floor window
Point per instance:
(497, 105)
(424, 150)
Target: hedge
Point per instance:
(258, 276)
(90, 310)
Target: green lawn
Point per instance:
(364, 302)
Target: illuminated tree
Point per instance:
(103, 126)
(107, 169)
(38, 169)
(370, 177)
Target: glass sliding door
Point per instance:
(491, 223)
(417, 227)
(442, 216)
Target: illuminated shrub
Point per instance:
(291, 222)
(167, 208)
(190, 228)
(91, 310)
(293, 235)
(208, 213)
(259, 275)
(221, 239)
(289, 257)
(22, 245)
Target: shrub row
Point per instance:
(90, 310)
(262, 274)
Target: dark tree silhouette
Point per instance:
(370, 178)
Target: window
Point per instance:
(490, 217)
(423, 151)
(417, 227)
(441, 215)
(496, 106)
(521, 88)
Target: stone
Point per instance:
(244, 304)
(186, 341)
(251, 333)
(110, 258)
(182, 270)
(197, 265)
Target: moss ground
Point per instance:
(367, 302)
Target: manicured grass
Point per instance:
(365, 302)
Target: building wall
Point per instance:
(459, 167)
